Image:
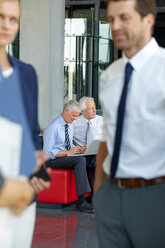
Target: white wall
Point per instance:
(42, 45)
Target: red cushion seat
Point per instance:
(62, 189)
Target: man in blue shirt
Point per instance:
(58, 143)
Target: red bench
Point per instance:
(62, 189)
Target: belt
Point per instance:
(136, 182)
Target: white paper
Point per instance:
(10, 153)
(10, 147)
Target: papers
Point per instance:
(10, 153)
(10, 147)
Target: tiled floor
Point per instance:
(64, 228)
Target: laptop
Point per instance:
(91, 150)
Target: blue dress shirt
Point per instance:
(54, 137)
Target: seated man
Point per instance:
(58, 143)
(88, 126)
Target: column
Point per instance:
(42, 45)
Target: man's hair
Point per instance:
(83, 102)
(72, 105)
(144, 7)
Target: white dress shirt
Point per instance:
(80, 129)
(142, 152)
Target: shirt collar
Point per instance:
(140, 58)
(84, 118)
(61, 120)
(63, 123)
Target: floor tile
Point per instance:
(64, 228)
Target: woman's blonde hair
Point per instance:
(10, 1)
(17, 1)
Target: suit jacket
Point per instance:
(29, 87)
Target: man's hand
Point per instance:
(83, 148)
(74, 150)
(100, 175)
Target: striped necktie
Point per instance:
(120, 121)
(67, 140)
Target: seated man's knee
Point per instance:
(81, 161)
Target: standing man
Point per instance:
(132, 95)
(58, 143)
(88, 126)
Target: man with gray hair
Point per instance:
(88, 126)
(58, 143)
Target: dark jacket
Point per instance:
(29, 87)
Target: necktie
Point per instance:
(67, 140)
(120, 121)
(89, 133)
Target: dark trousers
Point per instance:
(78, 164)
(130, 218)
(91, 165)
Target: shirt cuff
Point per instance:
(53, 153)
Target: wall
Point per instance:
(42, 45)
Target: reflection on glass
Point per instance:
(80, 60)
(74, 53)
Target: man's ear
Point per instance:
(66, 111)
(150, 20)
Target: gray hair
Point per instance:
(72, 105)
(83, 102)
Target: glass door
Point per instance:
(88, 50)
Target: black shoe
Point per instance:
(89, 199)
(85, 207)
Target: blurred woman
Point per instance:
(24, 85)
